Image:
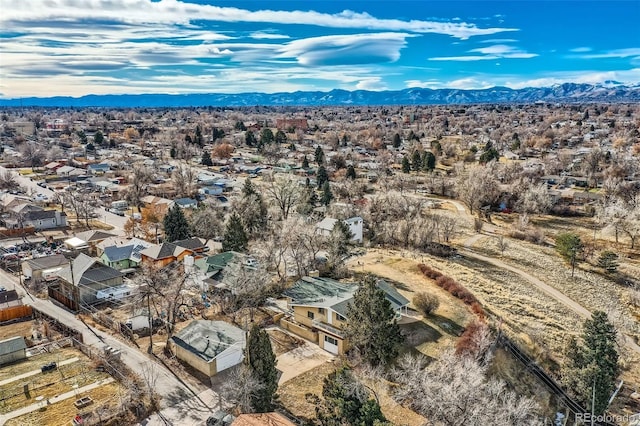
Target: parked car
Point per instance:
(48, 367)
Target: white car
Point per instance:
(40, 197)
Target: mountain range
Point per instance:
(609, 91)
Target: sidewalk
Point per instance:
(34, 372)
(43, 403)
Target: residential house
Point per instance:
(355, 224)
(98, 169)
(80, 282)
(12, 350)
(8, 299)
(44, 268)
(69, 171)
(122, 258)
(186, 203)
(93, 238)
(210, 346)
(160, 255)
(212, 270)
(319, 307)
(44, 219)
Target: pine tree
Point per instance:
(351, 172)
(281, 137)
(321, 177)
(428, 161)
(371, 326)
(305, 163)
(173, 152)
(261, 361)
(397, 142)
(266, 136)
(250, 138)
(206, 159)
(319, 155)
(175, 224)
(593, 365)
(608, 261)
(406, 166)
(345, 401)
(248, 188)
(235, 237)
(327, 196)
(98, 138)
(416, 161)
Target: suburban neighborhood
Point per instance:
(251, 265)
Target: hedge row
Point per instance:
(453, 287)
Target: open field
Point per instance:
(16, 329)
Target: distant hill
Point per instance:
(568, 92)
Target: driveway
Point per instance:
(301, 359)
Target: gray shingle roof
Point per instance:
(116, 254)
(47, 262)
(11, 345)
(208, 339)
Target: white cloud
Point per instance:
(182, 13)
(497, 51)
(580, 49)
(264, 35)
(371, 83)
(346, 49)
(616, 53)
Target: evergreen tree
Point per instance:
(198, 137)
(305, 163)
(321, 177)
(397, 142)
(173, 152)
(345, 401)
(351, 172)
(319, 155)
(593, 365)
(217, 134)
(248, 188)
(569, 245)
(281, 137)
(98, 138)
(416, 161)
(176, 226)
(372, 328)
(240, 126)
(266, 136)
(428, 161)
(261, 361)
(250, 138)
(206, 159)
(235, 237)
(608, 261)
(406, 166)
(327, 196)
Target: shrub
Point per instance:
(454, 288)
(426, 303)
(474, 341)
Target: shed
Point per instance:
(210, 346)
(12, 349)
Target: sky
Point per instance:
(79, 47)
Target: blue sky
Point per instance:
(78, 47)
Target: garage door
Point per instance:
(330, 344)
(228, 358)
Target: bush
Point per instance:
(426, 303)
(454, 288)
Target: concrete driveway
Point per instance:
(301, 359)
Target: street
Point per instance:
(176, 398)
(32, 188)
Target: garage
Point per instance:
(330, 344)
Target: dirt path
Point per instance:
(559, 296)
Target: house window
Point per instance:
(310, 314)
(340, 317)
(330, 340)
(321, 311)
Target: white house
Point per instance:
(355, 224)
(210, 346)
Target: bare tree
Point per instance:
(241, 388)
(184, 180)
(477, 187)
(455, 390)
(285, 193)
(8, 180)
(137, 188)
(206, 223)
(33, 154)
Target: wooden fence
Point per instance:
(15, 313)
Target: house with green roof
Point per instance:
(319, 307)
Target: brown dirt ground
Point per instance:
(16, 329)
(63, 412)
(292, 393)
(35, 362)
(283, 342)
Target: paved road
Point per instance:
(32, 187)
(171, 389)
